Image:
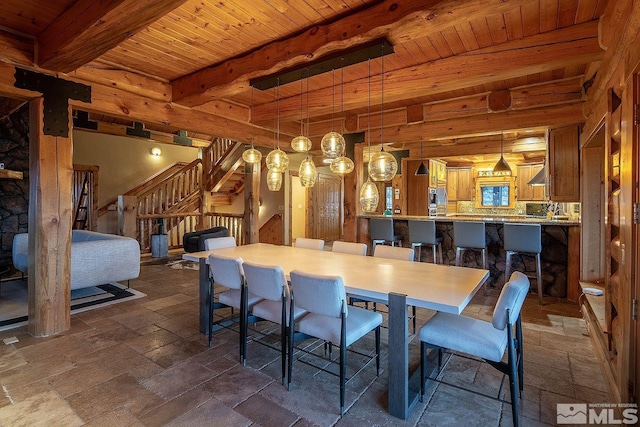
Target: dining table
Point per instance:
(396, 283)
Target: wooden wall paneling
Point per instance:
(564, 164)
(418, 188)
(50, 219)
(593, 214)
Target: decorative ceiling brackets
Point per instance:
(56, 93)
(138, 130)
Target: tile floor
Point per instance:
(144, 363)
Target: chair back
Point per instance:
(265, 281)
(226, 271)
(422, 231)
(323, 295)
(219, 243)
(469, 234)
(523, 238)
(303, 242)
(393, 252)
(349, 248)
(381, 229)
(511, 298)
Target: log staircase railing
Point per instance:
(234, 222)
(85, 197)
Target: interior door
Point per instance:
(325, 208)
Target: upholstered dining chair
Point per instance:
(524, 239)
(227, 272)
(270, 284)
(483, 339)
(349, 248)
(330, 319)
(304, 242)
(403, 254)
(219, 243)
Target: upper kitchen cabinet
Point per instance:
(528, 192)
(459, 184)
(564, 165)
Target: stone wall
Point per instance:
(554, 255)
(14, 193)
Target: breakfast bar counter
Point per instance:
(560, 248)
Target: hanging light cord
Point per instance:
(301, 122)
(278, 113)
(369, 114)
(333, 96)
(382, 103)
(308, 120)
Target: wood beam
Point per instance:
(16, 50)
(89, 29)
(50, 219)
(543, 52)
(399, 21)
(556, 116)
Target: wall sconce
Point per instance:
(156, 151)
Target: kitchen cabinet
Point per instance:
(437, 173)
(459, 184)
(564, 164)
(528, 192)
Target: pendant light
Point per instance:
(301, 143)
(369, 195)
(251, 155)
(277, 159)
(342, 165)
(307, 173)
(422, 169)
(502, 166)
(332, 144)
(382, 165)
(274, 180)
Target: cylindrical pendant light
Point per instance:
(307, 173)
(274, 180)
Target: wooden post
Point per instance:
(352, 184)
(252, 203)
(573, 263)
(127, 214)
(50, 218)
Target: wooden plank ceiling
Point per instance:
(462, 71)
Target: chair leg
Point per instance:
(520, 355)
(210, 311)
(417, 249)
(513, 372)
(434, 250)
(378, 351)
(422, 379)
(539, 278)
(244, 314)
(292, 324)
(507, 267)
(458, 255)
(485, 265)
(413, 308)
(440, 250)
(343, 374)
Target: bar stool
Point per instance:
(424, 233)
(524, 239)
(470, 235)
(381, 231)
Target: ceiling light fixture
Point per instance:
(332, 143)
(422, 169)
(251, 155)
(307, 172)
(502, 166)
(369, 195)
(342, 165)
(277, 160)
(301, 143)
(382, 165)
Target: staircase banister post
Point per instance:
(127, 216)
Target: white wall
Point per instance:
(124, 163)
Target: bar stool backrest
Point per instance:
(523, 238)
(381, 229)
(469, 234)
(422, 232)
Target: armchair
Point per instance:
(194, 241)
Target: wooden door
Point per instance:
(325, 208)
(452, 184)
(464, 184)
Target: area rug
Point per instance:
(14, 300)
(183, 265)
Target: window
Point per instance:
(496, 195)
(388, 205)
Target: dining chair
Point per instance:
(402, 254)
(470, 235)
(381, 232)
(349, 248)
(483, 339)
(524, 239)
(227, 272)
(423, 233)
(304, 242)
(219, 243)
(270, 284)
(330, 319)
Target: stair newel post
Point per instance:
(127, 216)
(252, 203)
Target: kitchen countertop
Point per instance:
(487, 218)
